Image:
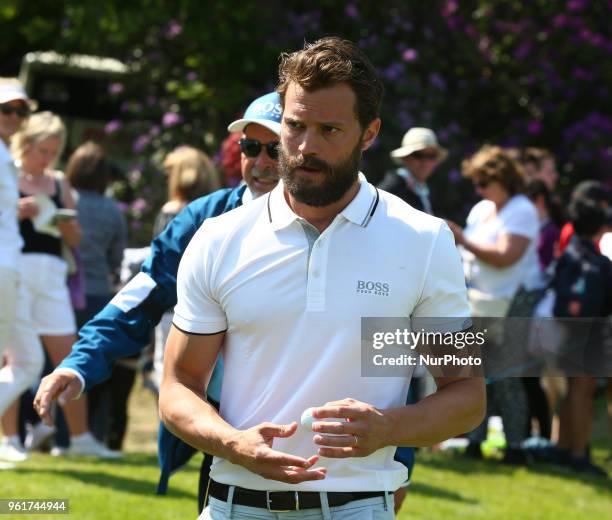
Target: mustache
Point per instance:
(266, 174)
(300, 161)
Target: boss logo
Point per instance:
(376, 288)
(274, 109)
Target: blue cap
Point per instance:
(265, 111)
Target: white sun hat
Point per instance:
(416, 139)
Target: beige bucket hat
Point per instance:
(416, 139)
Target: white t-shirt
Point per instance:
(10, 239)
(517, 217)
(605, 245)
(292, 309)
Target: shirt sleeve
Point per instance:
(522, 221)
(198, 310)
(443, 303)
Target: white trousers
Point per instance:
(20, 345)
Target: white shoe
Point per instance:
(58, 451)
(7, 465)
(37, 435)
(11, 450)
(87, 445)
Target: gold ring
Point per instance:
(356, 440)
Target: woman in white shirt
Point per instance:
(46, 231)
(498, 243)
(498, 248)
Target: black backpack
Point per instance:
(580, 281)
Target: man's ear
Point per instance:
(370, 133)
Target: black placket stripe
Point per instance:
(371, 209)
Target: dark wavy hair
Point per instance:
(331, 61)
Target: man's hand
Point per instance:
(252, 449)
(363, 432)
(62, 385)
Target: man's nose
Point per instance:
(309, 144)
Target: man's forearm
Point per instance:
(188, 415)
(454, 409)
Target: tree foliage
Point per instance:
(516, 73)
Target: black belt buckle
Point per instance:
(270, 499)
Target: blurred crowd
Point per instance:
(526, 253)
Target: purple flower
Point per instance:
(437, 81)
(450, 8)
(560, 20)
(140, 143)
(151, 100)
(575, 5)
(113, 126)
(454, 176)
(173, 29)
(534, 127)
(394, 72)
(155, 130)
(351, 11)
(410, 55)
(136, 225)
(115, 88)
(583, 74)
(171, 119)
(139, 205)
(191, 76)
(523, 50)
(123, 207)
(125, 106)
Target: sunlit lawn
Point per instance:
(445, 485)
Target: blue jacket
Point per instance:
(125, 325)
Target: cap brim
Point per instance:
(399, 153)
(7, 98)
(240, 124)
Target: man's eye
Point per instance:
(330, 129)
(293, 124)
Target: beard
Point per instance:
(337, 178)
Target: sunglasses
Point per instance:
(252, 148)
(421, 156)
(21, 110)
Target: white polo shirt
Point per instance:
(292, 311)
(10, 239)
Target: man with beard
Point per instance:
(125, 325)
(279, 286)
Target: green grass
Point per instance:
(449, 486)
(122, 489)
(445, 486)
